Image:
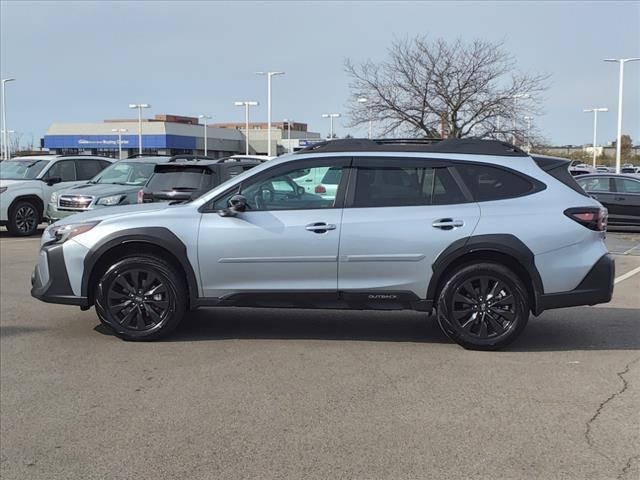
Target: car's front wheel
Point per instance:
(141, 298)
(23, 219)
(483, 306)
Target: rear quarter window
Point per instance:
(488, 183)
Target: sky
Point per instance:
(86, 61)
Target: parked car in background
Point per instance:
(120, 184)
(620, 194)
(320, 181)
(581, 169)
(632, 170)
(186, 181)
(27, 183)
(479, 231)
(604, 169)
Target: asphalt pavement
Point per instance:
(264, 393)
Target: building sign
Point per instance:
(111, 141)
(307, 143)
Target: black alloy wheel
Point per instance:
(483, 306)
(24, 219)
(141, 297)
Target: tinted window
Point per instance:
(597, 184)
(233, 171)
(64, 169)
(627, 185)
(284, 191)
(332, 177)
(405, 186)
(183, 179)
(491, 183)
(87, 169)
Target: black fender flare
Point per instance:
(157, 236)
(505, 244)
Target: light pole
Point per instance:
(621, 61)
(204, 119)
(246, 104)
(289, 135)
(269, 75)
(364, 100)
(528, 119)
(595, 111)
(515, 113)
(139, 106)
(330, 116)
(119, 131)
(5, 146)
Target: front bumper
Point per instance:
(596, 287)
(53, 213)
(50, 281)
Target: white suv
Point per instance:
(26, 185)
(477, 231)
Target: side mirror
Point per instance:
(237, 203)
(53, 180)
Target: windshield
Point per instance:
(125, 173)
(21, 169)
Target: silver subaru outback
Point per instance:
(477, 232)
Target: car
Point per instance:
(630, 169)
(603, 169)
(581, 170)
(181, 182)
(27, 183)
(620, 194)
(120, 184)
(476, 232)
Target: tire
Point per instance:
(156, 307)
(469, 313)
(24, 218)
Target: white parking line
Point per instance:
(631, 250)
(627, 275)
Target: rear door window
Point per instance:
(627, 185)
(87, 169)
(493, 183)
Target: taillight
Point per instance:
(320, 189)
(140, 196)
(591, 217)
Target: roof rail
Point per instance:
(233, 159)
(189, 157)
(454, 145)
(144, 155)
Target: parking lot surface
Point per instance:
(250, 393)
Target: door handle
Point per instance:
(447, 224)
(320, 227)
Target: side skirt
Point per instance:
(360, 300)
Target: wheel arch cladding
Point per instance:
(149, 240)
(505, 249)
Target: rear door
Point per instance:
(627, 200)
(400, 214)
(602, 189)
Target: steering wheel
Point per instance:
(261, 199)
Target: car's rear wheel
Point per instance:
(23, 219)
(484, 306)
(141, 298)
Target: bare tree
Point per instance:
(431, 87)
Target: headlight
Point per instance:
(110, 201)
(54, 197)
(3, 189)
(62, 233)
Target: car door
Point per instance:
(399, 215)
(62, 170)
(627, 200)
(286, 240)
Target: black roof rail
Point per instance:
(231, 159)
(453, 145)
(189, 157)
(144, 155)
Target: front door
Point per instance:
(402, 214)
(286, 240)
(64, 172)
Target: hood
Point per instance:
(100, 189)
(9, 183)
(112, 212)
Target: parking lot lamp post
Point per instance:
(595, 111)
(139, 106)
(364, 100)
(269, 75)
(204, 119)
(119, 131)
(5, 145)
(330, 116)
(621, 61)
(246, 104)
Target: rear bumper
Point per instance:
(50, 281)
(596, 287)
